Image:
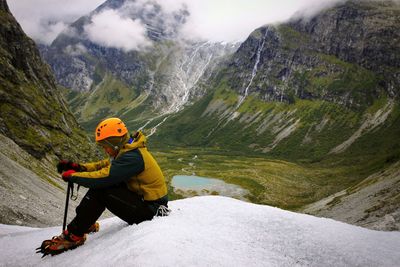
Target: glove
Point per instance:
(65, 165)
(67, 175)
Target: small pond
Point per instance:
(190, 184)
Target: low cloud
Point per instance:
(231, 21)
(43, 20)
(109, 28)
(222, 20)
(43, 30)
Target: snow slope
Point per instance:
(213, 231)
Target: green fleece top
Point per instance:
(120, 170)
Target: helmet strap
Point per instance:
(111, 145)
(122, 140)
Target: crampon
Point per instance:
(61, 243)
(65, 241)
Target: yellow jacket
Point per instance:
(133, 165)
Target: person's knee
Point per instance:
(92, 199)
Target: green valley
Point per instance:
(270, 181)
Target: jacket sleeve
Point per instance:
(121, 170)
(95, 166)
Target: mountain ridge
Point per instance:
(277, 73)
(36, 130)
(33, 112)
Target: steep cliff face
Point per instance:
(33, 113)
(361, 32)
(348, 54)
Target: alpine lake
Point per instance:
(195, 185)
(284, 184)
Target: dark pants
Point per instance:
(122, 202)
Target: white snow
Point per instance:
(212, 231)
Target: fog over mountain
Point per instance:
(220, 20)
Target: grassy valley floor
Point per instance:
(271, 181)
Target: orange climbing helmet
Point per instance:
(112, 127)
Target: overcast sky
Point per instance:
(215, 20)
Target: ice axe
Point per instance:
(45, 244)
(69, 188)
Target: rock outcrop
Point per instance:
(36, 129)
(33, 112)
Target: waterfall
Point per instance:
(234, 114)
(254, 71)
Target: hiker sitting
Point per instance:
(130, 184)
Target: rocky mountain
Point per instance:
(136, 84)
(80, 64)
(363, 33)
(294, 90)
(321, 91)
(33, 112)
(36, 129)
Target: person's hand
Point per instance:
(65, 165)
(67, 175)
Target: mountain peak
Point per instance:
(160, 24)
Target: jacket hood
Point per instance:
(139, 140)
